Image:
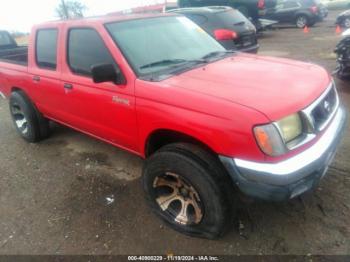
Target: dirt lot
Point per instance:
(57, 197)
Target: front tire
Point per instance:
(28, 121)
(189, 189)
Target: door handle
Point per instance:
(68, 86)
(36, 78)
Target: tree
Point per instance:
(70, 9)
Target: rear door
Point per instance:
(45, 72)
(104, 110)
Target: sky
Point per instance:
(21, 15)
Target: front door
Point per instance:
(104, 110)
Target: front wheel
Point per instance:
(189, 190)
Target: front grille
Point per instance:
(323, 109)
(317, 116)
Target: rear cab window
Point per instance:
(6, 40)
(85, 49)
(46, 48)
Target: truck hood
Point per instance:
(274, 86)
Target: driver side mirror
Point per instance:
(107, 73)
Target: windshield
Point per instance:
(156, 45)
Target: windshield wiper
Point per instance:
(166, 62)
(217, 53)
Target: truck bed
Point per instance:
(18, 55)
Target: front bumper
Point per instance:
(292, 177)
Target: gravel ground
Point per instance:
(72, 194)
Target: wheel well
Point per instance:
(302, 14)
(16, 89)
(163, 137)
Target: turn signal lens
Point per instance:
(269, 140)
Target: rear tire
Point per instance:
(301, 21)
(28, 121)
(189, 189)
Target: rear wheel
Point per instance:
(28, 121)
(189, 189)
(301, 21)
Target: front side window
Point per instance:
(46, 48)
(198, 19)
(155, 45)
(86, 49)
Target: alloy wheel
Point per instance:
(19, 118)
(301, 21)
(178, 199)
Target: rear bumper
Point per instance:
(251, 49)
(292, 177)
(230, 45)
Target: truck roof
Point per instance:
(200, 10)
(102, 19)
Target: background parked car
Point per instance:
(9, 49)
(343, 56)
(323, 11)
(252, 9)
(227, 25)
(336, 4)
(299, 12)
(343, 19)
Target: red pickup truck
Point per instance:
(209, 122)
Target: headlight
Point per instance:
(273, 138)
(291, 127)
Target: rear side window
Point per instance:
(85, 49)
(198, 19)
(291, 4)
(46, 48)
(231, 17)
